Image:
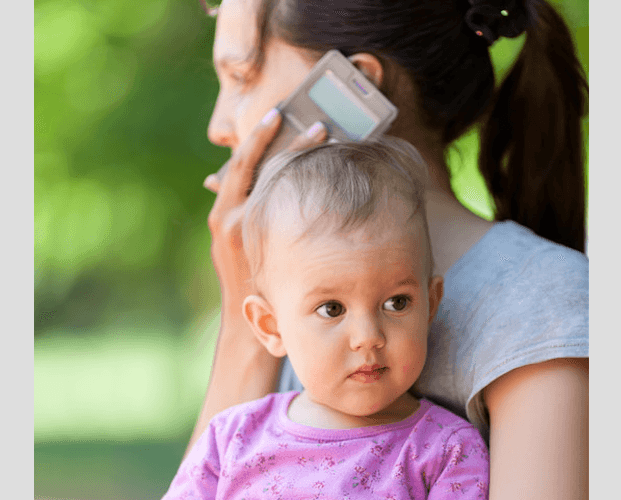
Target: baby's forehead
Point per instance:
(300, 227)
(329, 252)
(370, 233)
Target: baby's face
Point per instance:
(352, 310)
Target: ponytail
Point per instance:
(531, 145)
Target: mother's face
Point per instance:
(247, 93)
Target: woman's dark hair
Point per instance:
(531, 152)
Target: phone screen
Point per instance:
(341, 108)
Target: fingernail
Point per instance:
(270, 116)
(315, 130)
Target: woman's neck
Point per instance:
(432, 151)
(453, 228)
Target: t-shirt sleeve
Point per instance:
(541, 314)
(197, 477)
(513, 300)
(464, 470)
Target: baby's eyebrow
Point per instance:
(323, 290)
(408, 281)
(334, 289)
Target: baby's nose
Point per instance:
(367, 333)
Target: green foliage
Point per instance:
(122, 98)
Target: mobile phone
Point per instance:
(336, 93)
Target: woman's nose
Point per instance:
(366, 333)
(221, 130)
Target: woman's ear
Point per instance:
(436, 291)
(260, 316)
(370, 66)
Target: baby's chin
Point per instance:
(394, 411)
(347, 414)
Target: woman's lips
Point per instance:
(368, 374)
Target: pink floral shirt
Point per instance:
(254, 451)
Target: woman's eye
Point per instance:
(238, 77)
(241, 76)
(330, 310)
(398, 303)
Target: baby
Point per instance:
(338, 246)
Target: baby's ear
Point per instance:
(436, 291)
(260, 316)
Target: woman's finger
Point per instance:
(265, 124)
(315, 134)
(233, 188)
(245, 159)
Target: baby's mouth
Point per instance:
(368, 373)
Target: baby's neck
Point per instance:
(303, 410)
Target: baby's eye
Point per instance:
(330, 310)
(397, 303)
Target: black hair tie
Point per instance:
(491, 19)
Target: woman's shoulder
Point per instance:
(512, 300)
(512, 260)
(520, 240)
(512, 273)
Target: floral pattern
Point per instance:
(256, 454)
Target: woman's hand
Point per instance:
(225, 218)
(242, 369)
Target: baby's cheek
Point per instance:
(411, 370)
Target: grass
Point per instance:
(114, 409)
(106, 470)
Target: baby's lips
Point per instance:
(369, 368)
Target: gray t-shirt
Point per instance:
(512, 300)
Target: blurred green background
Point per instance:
(126, 300)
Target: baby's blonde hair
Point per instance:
(346, 181)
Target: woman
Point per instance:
(509, 347)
